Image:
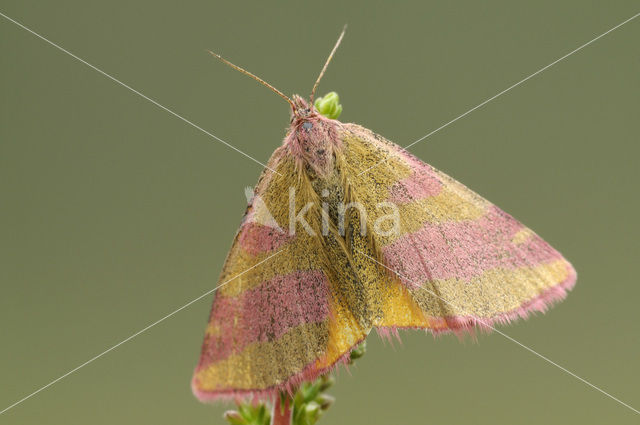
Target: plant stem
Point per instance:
(282, 411)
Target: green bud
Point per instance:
(326, 382)
(325, 401)
(329, 105)
(312, 411)
(359, 351)
(234, 418)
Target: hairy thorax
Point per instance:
(312, 139)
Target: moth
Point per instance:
(346, 232)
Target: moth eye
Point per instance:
(307, 125)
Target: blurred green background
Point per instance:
(115, 213)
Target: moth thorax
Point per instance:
(315, 146)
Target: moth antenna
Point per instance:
(326, 64)
(255, 77)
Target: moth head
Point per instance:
(301, 109)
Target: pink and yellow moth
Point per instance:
(372, 238)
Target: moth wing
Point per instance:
(274, 321)
(459, 261)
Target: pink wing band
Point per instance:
(265, 313)
(465, 249)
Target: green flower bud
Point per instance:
(325, 401)
(326, 382)
(359, 351)
(312, 411)
(234, 418)
(329, 105)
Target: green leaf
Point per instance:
(246, 411)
